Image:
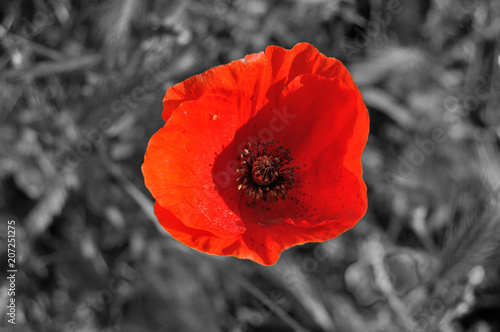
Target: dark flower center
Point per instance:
(264, 172)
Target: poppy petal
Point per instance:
(180, 178)
(257, 79)
(325, 124)
(235, 81)
(263, 246)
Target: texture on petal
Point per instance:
(257, 79)
(320, 121)
(262, 245)
(235, 81)
(178, 163)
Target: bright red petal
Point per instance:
(283, 66)
(235, 81)
(262, 245)
(325, 124)
(256, 80)
(179, 159)
(327, 139)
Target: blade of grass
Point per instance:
(144, 203)
(49, 68)
(375, 252)
(288, 272)
(257, 293)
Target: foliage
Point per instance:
(81, 84)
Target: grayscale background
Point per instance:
(81, 85)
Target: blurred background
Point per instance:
(81, 85)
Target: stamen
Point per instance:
(263, 172)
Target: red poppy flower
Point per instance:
(261, 154)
